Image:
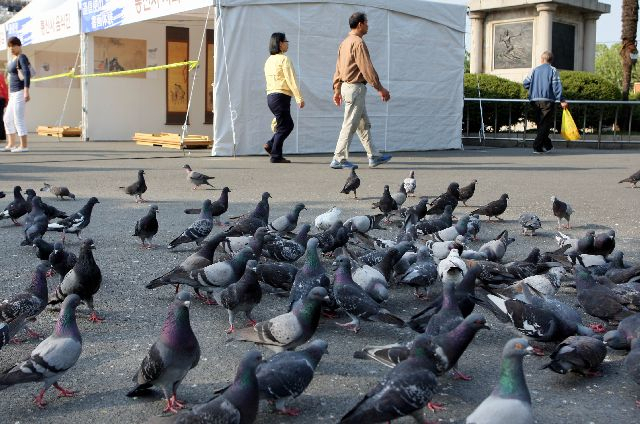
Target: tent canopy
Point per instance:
(44, 20)
(416, 46)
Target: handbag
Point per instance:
(32, 71)
(569, 130)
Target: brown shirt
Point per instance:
(354, 64)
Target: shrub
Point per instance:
(579, 85)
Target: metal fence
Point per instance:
(598, 120)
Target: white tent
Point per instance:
(416, 46)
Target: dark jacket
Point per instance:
(12, 69)
(544, 84)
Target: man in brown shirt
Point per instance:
(353, 71)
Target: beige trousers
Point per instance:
(355, 120)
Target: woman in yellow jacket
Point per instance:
(281, 86)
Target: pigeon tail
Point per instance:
(387, 317)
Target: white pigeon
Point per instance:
(410, 184)
(450, 233)
(452, 268)
(441, 249)
(546, 284)
(324, 221)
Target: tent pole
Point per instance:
(84, 86)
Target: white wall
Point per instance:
(120, 106)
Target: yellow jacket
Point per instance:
(281, 77)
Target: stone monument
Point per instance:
(508, 36)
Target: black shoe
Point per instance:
(547, 149)
(538, 152)
(267, 148)
(280, 160)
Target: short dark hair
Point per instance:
(356, 18)
(274, 43)
(13, 41)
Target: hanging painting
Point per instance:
(119, 54)
(208, 81)
(177, 78)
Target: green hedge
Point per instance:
(579, 85)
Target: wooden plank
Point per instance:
(64, 131)
(172, 140)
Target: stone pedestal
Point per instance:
(508, 36)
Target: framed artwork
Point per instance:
(53, 63)
(119, 54)
(512, 45)
(208, 81)
(177, 90)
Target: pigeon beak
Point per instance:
(334, 266)
(187, 303)
(93, 246)
(326, 299)
(529, 350)
(485, 326)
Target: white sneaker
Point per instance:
(7, 149)
(19, 149)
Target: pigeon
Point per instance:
(17, 208)
(473, 227)
(287, 374)
(352, 183)
(61, 260)
(561, 210)
(24, 306)
(633, 179)
(463, 295)
(326, 220)
(547, 284)
(138, 188)
(147, 227)
(238, 404)
(452, 268)
(232, 245)
(580, 354)
(449, 316)
(52, 358)
(362, 224)
(510, 401)
(356, 302)
(334, 237)
(35, 224)
(171, 357)
(248, 225)
(218, 207)
(495, 249)
(435, 224)
(197, 231)
(467, 192)
(52, 212)
(422, 274)
(386, 204)
(288, 222)
(401, 196)
(277, 275)
(628, 330)
(2, 195)
(284, 250)
(632, 363)
(450, 233)
(84, 280)
(198, 260)
(312, 274)
(450, 197)
(242, 295)
(419, 210)
(440, 249)
(410, 184)
(604, 243)
(196, 178)
(618, 273)
(375, 279)
(77, 222)
(494, 208)
(59, 192)
(290, 330)
(598, 300)
(43, 248)
(529, 222)
(405, 390)
(375, 257)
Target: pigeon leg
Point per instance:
(436, 406)
(598, 328)
(33, 334)
(353, 325)
(252, 322)
(231, 319)
(62, 392)
(457, 375)
(419, 295)
(355, 194)
(16, 223)
(638, 404)
(328, 314)
(279, 407)
(51, 272)
(39, 399)
(16, 340)
(179, 404)
(499, 219)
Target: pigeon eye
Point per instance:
(519, 346)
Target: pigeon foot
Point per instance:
(50, 273)
(33, 334)
(39, 400)
(62, 392)
(436, 406)
(329, 315)
(349, 326)
(95, 318)
(457, 375)
(230, 330)
(598, 328)
(252, 322)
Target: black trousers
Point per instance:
(280, 106)
(544, 120)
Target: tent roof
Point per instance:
(441, 13)
(35, 7)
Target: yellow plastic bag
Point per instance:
(568, 130)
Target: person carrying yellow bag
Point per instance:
(545, 88)
(569, 130)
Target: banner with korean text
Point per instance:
(46, 24)
(97, 15)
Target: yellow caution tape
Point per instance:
(71, 74)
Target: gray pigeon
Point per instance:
(621, 337)
(467, 192)
(248, 225)
(290, 330)
(285, 250)
(287, 374)
(238, 404)
(494, 208)
(277, 275)
(410, 184)
(84, 280)
(633, 179)
(352, 183)
(326, 220)
(495, 249)
(35, 224)
(242, 295)
(171, 357)
(197, 231)
(580, 354)
(436, 223)
(77, 222)
(232, 245)
(422, 274)
(401, 196)
(561, 210)
(364, 223)
(196, 178)
(450, 233)
(449, 315)
(510, 401)
(405, 390)
(375, 279)
(218, 207)
(312, 274)
(529, 222)
(632, 363)
(147, 227)
(138, 188)
(356, 302)
(15, 311)
(59, 192)
(61, 260)
(288, 222)
(53, 357)
(17, 208)
(450, 197)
